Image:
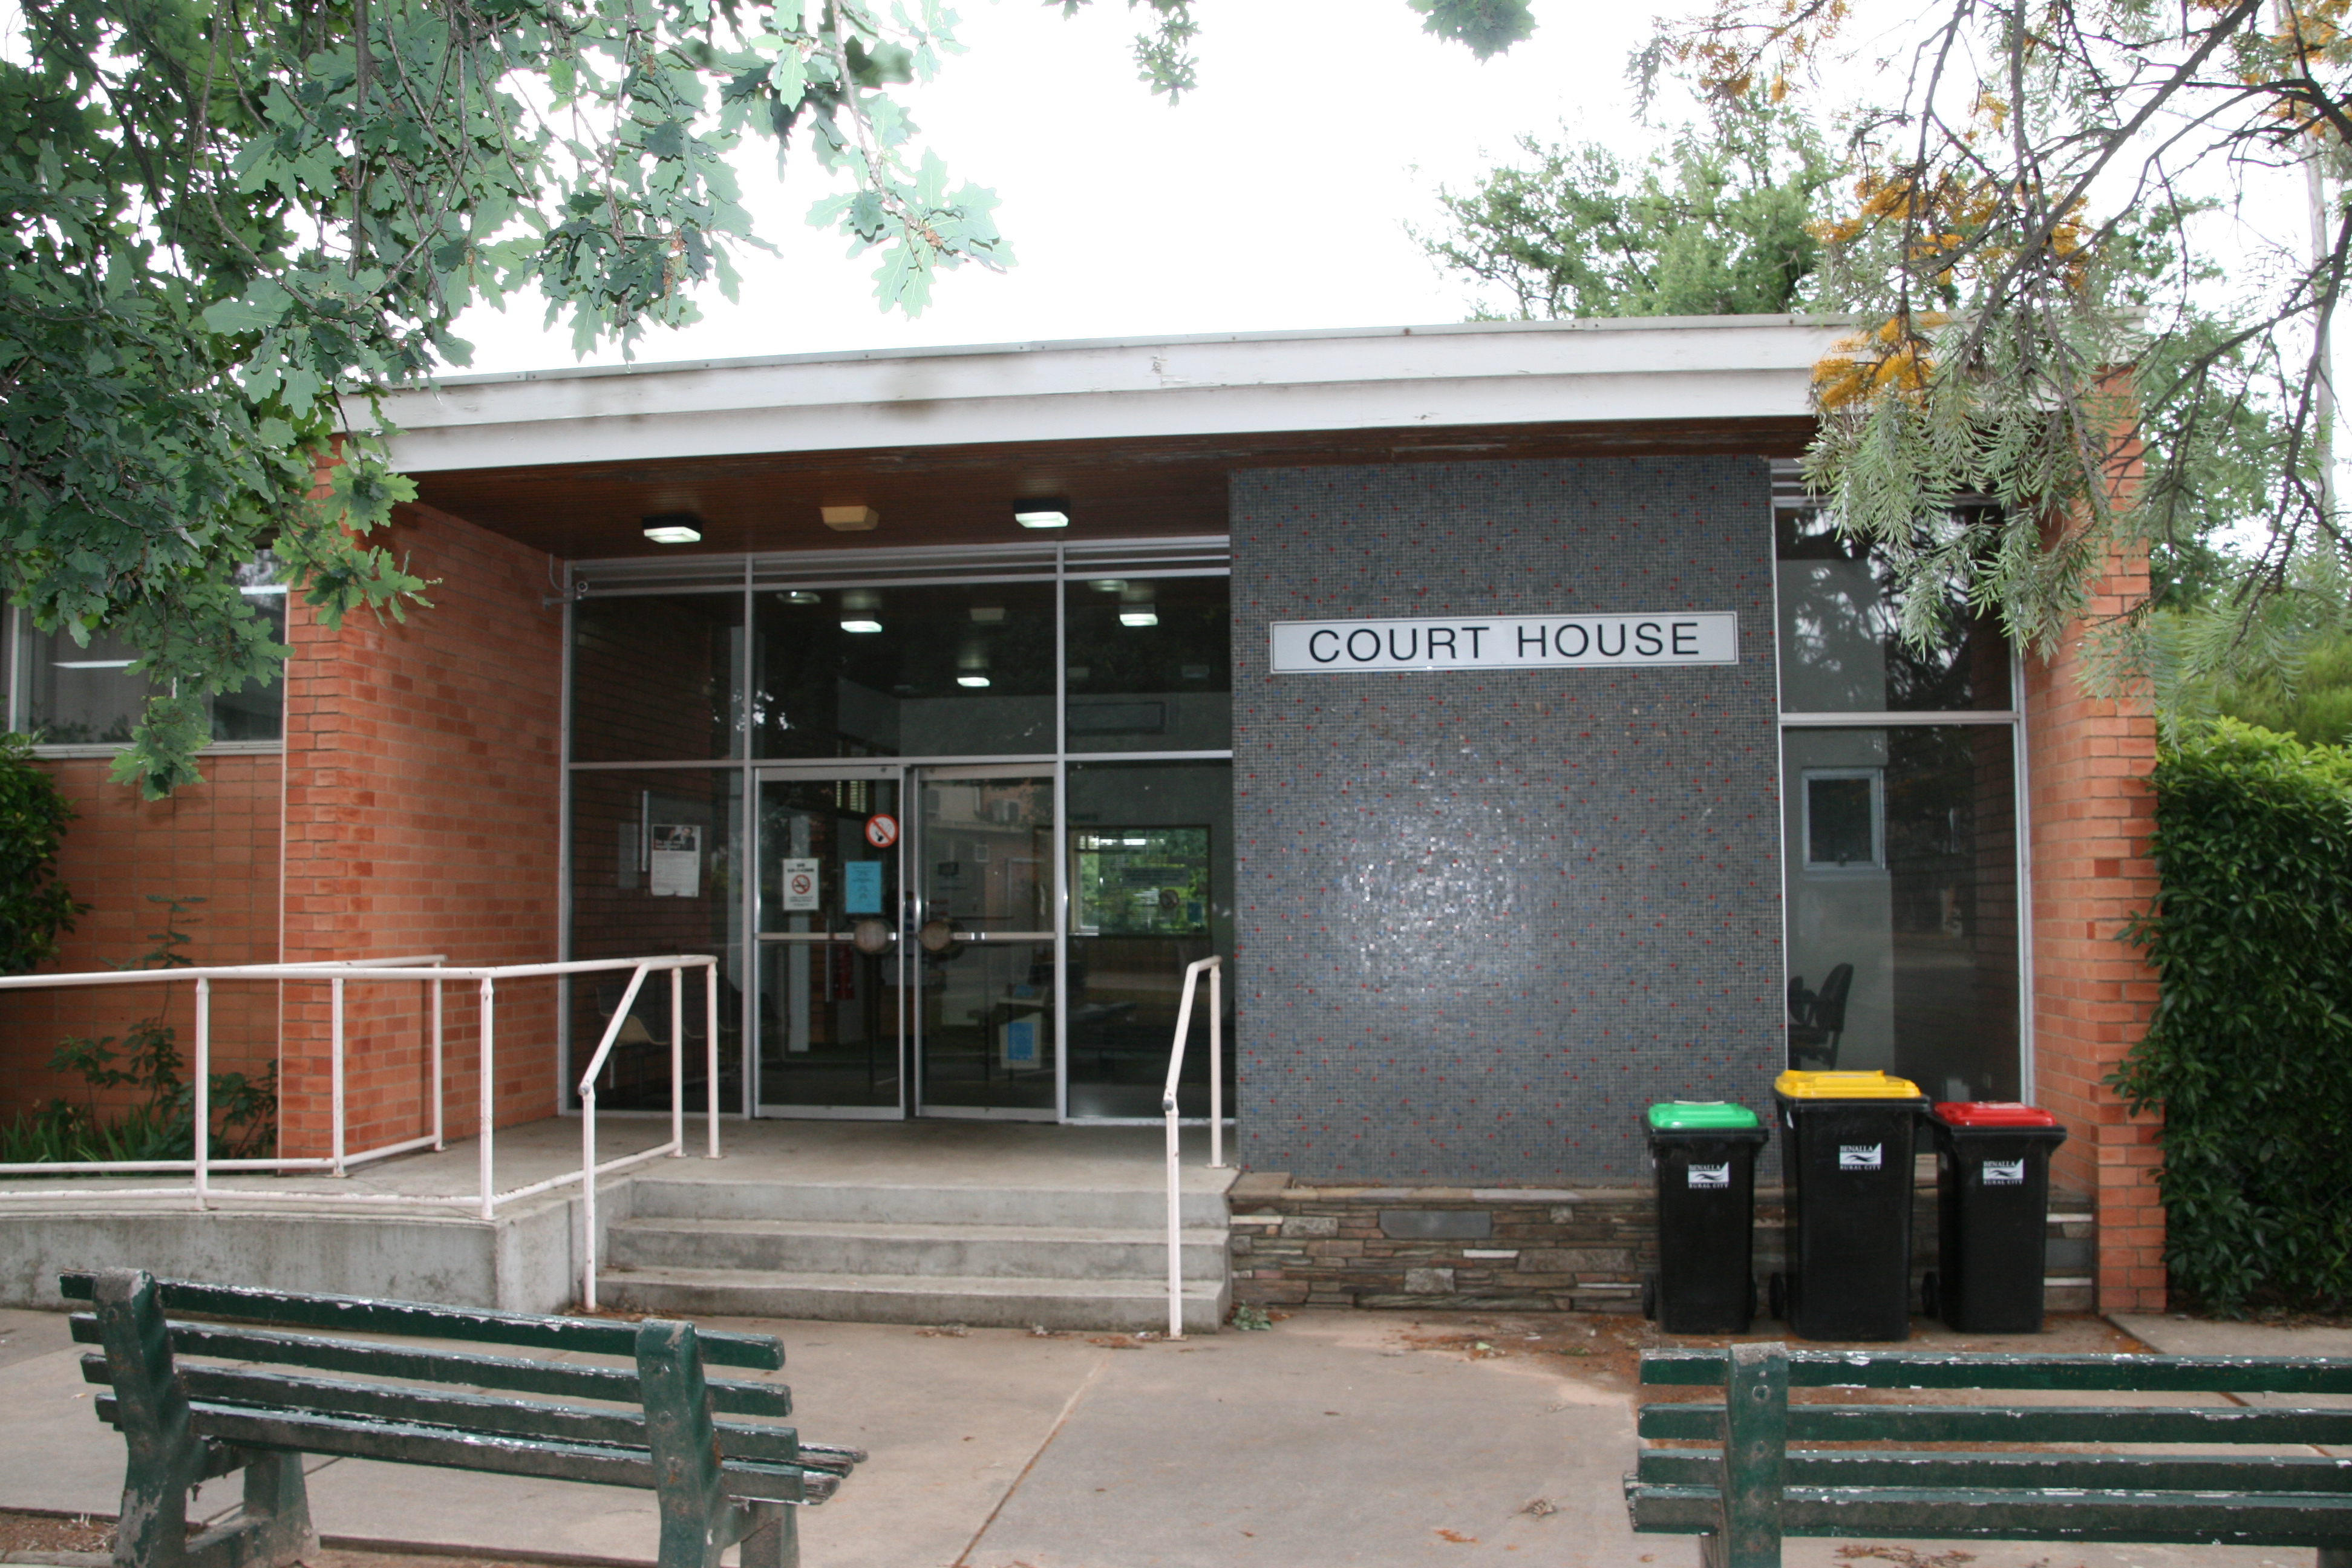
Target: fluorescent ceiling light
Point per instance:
(803, 597)
(1146, 617)
(92, 664)
(974, 680)
(1108, 584)
(850, 518)
(988, 614)
(1042, 512)
(861, 626)
(673, 528)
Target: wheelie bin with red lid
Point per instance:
(1992, 1206)
(1703, 1154)
(1846, 1162)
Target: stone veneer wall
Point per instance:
(1485, 917)
(1525, 1250)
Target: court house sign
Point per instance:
(1504, 642)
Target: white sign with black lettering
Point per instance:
(799, 882)
(1860, 1156)
(1504, 642)
(1710, 1175)
(2004, 1172)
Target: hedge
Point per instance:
(2249, 1055)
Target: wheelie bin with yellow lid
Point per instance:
(1846, 1158)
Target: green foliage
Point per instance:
(2045, 319)
(35, 908)
(1720, 223)
(2249, 1055)
(2312, 702)
(161, 1124)
(227, 224)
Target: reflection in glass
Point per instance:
(86, 696)
(933, 670)
(1841, 646)
(985, 868)
(1150, 848)
(1150, 664)
(653, 677)
(656, 868)
(829, 1008)
(1906, 961)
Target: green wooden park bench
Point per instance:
(1748, 1488)
(651, 1424)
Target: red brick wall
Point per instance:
(216, 841)
(2089, 760)
(423, 785)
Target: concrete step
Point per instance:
(1123, 1305)
(936, 1251)
(657, 1197)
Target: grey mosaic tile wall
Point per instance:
(1485, 917)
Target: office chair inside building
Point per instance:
(1817, 1018)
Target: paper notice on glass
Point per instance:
(800, 884)
(677, 860)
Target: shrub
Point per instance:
(161, 1124)
(2249, 1055)
(35, 909)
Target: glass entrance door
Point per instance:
(986, 871)
(830, 979)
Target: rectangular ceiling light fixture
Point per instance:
(1044, 512)
(850, 518)
(673, 528)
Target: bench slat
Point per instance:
(270, 1391)
(2019, 1423)
(2001, 1471)
(1931, 1369)
(411, 1443)
(2153, 1518)
(424, 1364)
(593, 1336)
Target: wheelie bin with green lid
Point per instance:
(1992, 1207)
(1703, 1152)
(1846, 1164)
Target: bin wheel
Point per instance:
(1777, 1295)
(1931, 1295)
(1650, 1297)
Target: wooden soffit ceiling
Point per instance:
(1126, 489)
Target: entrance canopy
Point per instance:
(1138, 435)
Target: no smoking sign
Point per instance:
(881, 830)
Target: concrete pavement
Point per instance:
(1336, 1438)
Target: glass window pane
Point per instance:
(75, 695)
(1840, 651)
(1150, 664)
(1902, 904)
(258, 712)
(655, 678)
(1150, 850)
(655, 858)
(928, 671)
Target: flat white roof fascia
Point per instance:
(1481, 373)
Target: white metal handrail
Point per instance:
(337, 974)
(1215, 967)
(200, 1166)
(675, 1147)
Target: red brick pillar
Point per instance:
(422, 788)
(2088, 762)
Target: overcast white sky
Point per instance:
(1276, 196)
